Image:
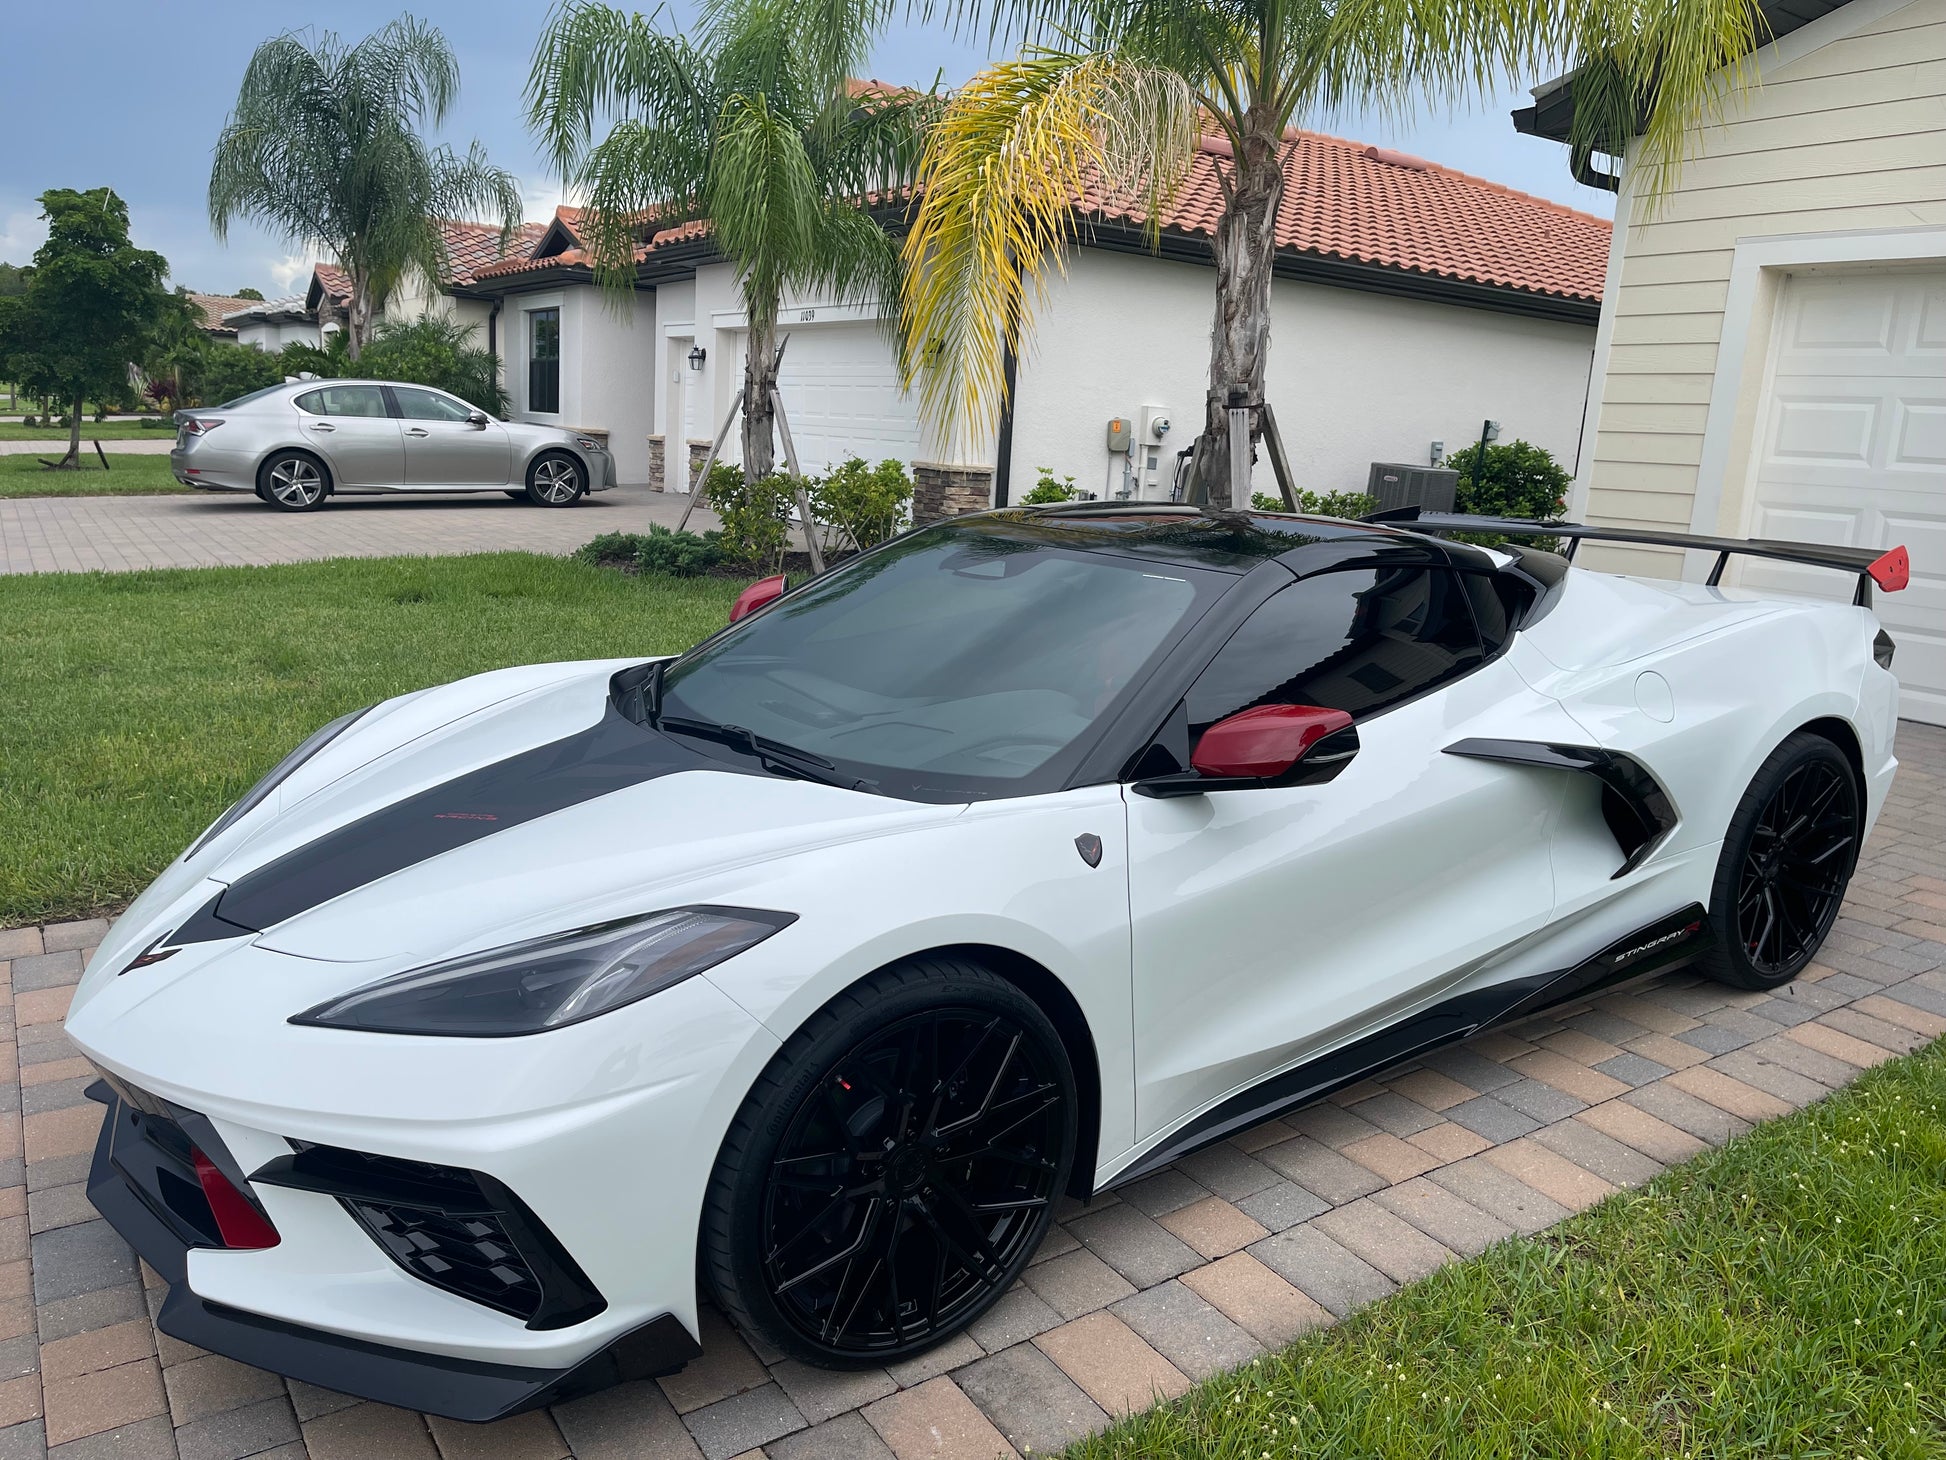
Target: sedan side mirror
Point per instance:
(1268, 745)
(476, 418)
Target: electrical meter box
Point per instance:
(1152, 462)
(1121, 433)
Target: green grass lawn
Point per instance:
(1782, 1296)
(24, 476)
(90, 431)
(139, 705)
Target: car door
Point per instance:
(349, 425)
(1273, 923)
(445, 446)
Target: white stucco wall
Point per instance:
(273, 337)
(1354, 377)
(607, 370)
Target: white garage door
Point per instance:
(841, 391)
(1853, 450)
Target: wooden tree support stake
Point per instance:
(1279, 463)
(797, 476)
(702, 477)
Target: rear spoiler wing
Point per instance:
(1890, 570)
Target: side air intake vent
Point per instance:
(459, 1230)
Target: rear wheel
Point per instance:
(555, 480)
(1787, 859)
(293, 481)
(894, 1168)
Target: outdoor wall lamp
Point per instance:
(697, 355)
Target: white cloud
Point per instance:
(542, 198)
(21, 232)
(292, 268)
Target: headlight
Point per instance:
(546, 983)
(278, 774)
(588, 443)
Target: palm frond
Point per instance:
(763, 199)
(1018, 148)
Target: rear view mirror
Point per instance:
(1267, 745)
(756, 596)
(476, 418)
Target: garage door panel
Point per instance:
(1853, 452)
(1822, 429)
(1837, 315)
(1919, 435)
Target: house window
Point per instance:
(544, 361)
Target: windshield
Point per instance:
(955, 663)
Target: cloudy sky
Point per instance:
(132, 96)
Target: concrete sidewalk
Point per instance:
(216, 529)
(1234, 1251)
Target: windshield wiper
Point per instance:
(772, 755)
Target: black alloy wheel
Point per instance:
(906, 1174)
(1786, 864)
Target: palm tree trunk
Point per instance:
(759, 379)
(1245, 249)
(358, 319)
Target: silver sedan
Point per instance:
(297, 443)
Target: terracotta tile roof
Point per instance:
(471, 247)
(335, 283)
(212, 308)
(1347, 200)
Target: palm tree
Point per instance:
(1137, 88)
(756, 129)
(324, 147)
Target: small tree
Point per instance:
(324, 147)
(91, 304)
(246, 292)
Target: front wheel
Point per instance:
(555, 480)
(293, 481)
(1787, 859)
(894, 1168)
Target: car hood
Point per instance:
(477, 815)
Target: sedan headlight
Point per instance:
(279, 773)
(550, 982)
(588, 443)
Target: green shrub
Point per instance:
(1519, 480)
(1349, 505)
(755, 515)
(431, 351)
(1049, 489)
(866, 504)
(222, 370)
(659, 550)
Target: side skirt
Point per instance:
(1667, 943)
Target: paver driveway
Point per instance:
(1234, 1250)
(217, 529)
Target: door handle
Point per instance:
(416, 431)
(322, 426)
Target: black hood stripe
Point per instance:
(611, 755)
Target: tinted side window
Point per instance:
(1359, 641)
(343, 400)
(423, 405)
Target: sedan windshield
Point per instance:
(956, 663)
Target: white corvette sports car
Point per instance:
(1016, 857)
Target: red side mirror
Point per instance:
(756, 596)
(1264, 742)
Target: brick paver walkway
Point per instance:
(1235, 1250)
(217, 529)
